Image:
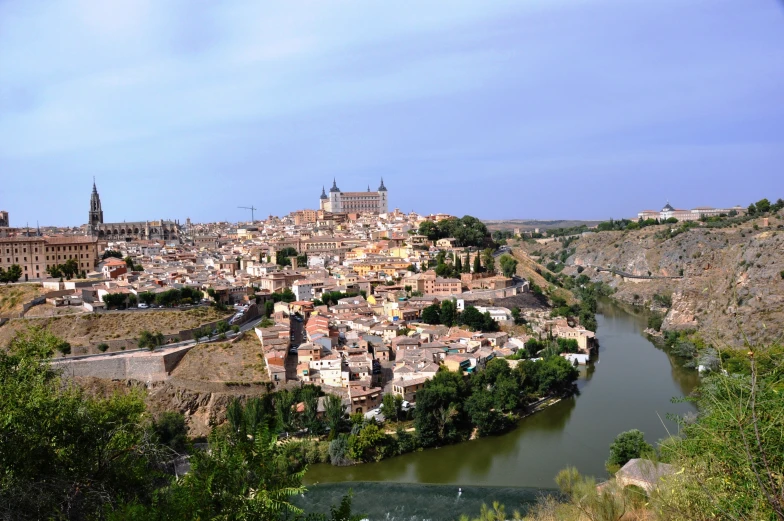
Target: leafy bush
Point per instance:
(655, 321)
(626, 446)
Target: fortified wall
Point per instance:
(129, 365)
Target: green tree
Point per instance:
(763, 206)
(242, 477)
(171, 431)
(334, 413)
(12, 274)
(392, 407)
(111, 253)
(459, 264)
(508, 265)
(150, 340)
(64, 348)
(488, 261)
(147, 297)
(733, 453)
(368, 444)
(477, 264)
(115, 300)
(430, 315)
(221, 327)
(626, 446)
(439, 417)
(448, 313)
(479, 407)
(65, 454)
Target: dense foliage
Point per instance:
(626, 446)
(467, 231)
(12, 274)
(66, 455)
(450, 406)
(447, 315)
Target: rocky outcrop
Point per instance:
(203, 409)
(732, 288)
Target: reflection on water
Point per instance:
(630, 386)
(400, 501)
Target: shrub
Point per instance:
(338, 451)
(626, 446)
(102, 347)
(655, 321)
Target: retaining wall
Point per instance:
(137, 365)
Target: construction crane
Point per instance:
(252, 209)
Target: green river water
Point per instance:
(629, 386)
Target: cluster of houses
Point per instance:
(353, 349)
(367, 341)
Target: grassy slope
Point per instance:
(240, 361)
(92, 328)
(13, 296)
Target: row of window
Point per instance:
(24, 250)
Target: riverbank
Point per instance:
(411, 502)
(630, 385)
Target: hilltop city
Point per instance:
(346, 296)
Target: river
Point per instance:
(630, 386)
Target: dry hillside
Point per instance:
(12, 297)
(203, 409)
(86, 329)
(733, 278)
(224, 362)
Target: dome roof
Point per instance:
(668, 208)
(334, 186)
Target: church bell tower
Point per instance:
(96, 213)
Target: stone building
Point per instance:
(3, 219)
(127, 231)
(690, 215)
(35, 254)
(354, 202)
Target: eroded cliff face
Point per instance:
(732, 287)
(203, 409)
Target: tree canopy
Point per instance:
(467, 231)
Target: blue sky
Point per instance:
(505, 109)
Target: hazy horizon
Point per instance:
(550, 110)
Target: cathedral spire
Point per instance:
(382, 188)
(96, 213)
(323, 193)
(334, 186)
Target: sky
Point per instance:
(556, 109)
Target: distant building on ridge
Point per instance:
(354, 202)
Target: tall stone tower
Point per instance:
(334, 198)
(324, 201)
(383, 204)
(96, 213)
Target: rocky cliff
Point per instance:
(202, 407)
(732, 279)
